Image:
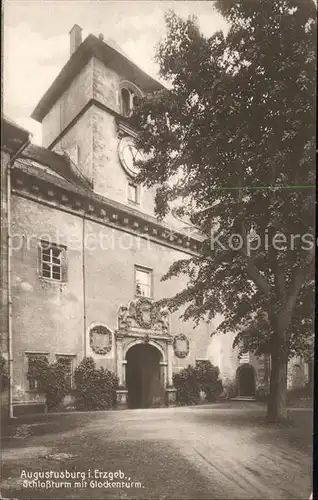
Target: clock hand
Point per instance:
(133, 151)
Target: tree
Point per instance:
(51, 379)
(233, 140)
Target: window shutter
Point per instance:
(64, 265)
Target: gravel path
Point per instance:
(209, 452)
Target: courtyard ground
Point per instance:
(221, 451)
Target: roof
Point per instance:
(12, 135)
(111, 55)
(57, 163)
(44, 174)
(45, 165)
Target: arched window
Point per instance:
(135, 100)
(129, 97)
(125, 102)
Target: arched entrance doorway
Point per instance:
(143, 376)
(246, 381)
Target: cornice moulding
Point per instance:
(124, 128)
(96, 209)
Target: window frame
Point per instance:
(137, 188)
(123, 103)
(29, 355)
(62, 264)
(71, 358)
(149, 271)
(133, 92)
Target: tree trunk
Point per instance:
(277, 403)
(310, 373)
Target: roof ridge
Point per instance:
(92, 46)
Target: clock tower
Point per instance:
(85, 114)
(129, 155)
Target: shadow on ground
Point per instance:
(209, 452)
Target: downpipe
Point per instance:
(9, 281)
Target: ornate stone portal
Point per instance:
(142, 322)
(142, 313)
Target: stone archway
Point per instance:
(143, 376)
(141, 322)
(245, 377)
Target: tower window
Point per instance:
(133, 192)
(125, 102)
(129, 98)
(134, 101)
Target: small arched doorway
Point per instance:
(246, 381)
(143, 375)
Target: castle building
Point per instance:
(86, 251)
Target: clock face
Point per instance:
(129, 155)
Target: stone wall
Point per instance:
(49, 317)
(106, 85)
(78, 144)
(68, 105)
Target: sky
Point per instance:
(36, 41)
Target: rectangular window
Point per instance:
(143, 282)
(133, 194)
(34, 366)
(68, 361)
(52, 261)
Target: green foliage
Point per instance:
(229, 390)
(208, 377)
(262, 393)
(302, 397)
(4, 374)
(240, 114)
(187, 385)
(191, 380)
(305, 392)
(51, 378)
(95, 387)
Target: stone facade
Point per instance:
(93, 309)
(56, 318)
(14, 140)
(68, 106)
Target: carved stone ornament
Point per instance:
(100, 339)
(146, 339)
(181, 345)
(142, 313)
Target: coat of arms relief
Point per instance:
(142, 313)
